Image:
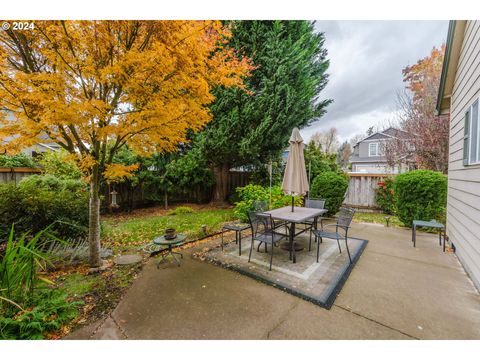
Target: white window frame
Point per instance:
(370, 149)
(470, 134)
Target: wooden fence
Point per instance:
(361, 190)
(138, 198)
(14, 175)
(237, 179)
(360, 193)
(198, 194)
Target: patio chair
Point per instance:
(239, 226)
(343, 222)
(263, 231)
(259, 205)
(311, 224)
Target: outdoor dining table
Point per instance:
(298, 216)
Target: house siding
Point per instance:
(375, 168)
(463, 207)
(363, 149)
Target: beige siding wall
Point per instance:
(463, 211)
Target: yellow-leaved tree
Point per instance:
(95, 86)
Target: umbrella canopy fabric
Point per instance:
(295, 180)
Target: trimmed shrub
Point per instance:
(384, 195)
(41, 200)
(19, 160)
(51, 183)
(330, 186)
(253, 193)
(420, 195)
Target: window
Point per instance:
(373, 149)
(471, 140)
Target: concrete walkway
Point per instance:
(394, 292)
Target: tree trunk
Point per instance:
(165, 200)
(94, 219)
(220, 190)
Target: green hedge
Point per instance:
(251, 193)
(420, 195)
(40, 200)
(19, 160)
(331, 187)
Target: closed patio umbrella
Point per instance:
(295, 177)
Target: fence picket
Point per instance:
(361, 190)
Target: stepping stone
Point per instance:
(105, 253)
(129, 259)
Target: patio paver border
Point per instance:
(326, 304)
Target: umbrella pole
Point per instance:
(293, 200)
(309, 181)
(270, 173)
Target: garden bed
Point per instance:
(99, 293)
(95, 295)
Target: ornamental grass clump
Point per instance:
(28, 307)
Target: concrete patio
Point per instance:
(394, 292)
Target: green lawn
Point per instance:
(142, 230)
(127, 232)
(376, 218)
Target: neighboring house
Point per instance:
(459, 96)
(43, 145)
(40, 148)
(368, 154)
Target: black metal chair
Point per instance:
(343, 222)
(239, 226)
(311, 224)
(263, 231)
(259, 205)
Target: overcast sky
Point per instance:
(366, 62)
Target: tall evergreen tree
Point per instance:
(253, 125)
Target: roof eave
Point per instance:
(456, 30)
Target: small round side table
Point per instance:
(177, 241)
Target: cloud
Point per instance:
(366, 62)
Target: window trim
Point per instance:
(470, 133)
(377, 152)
